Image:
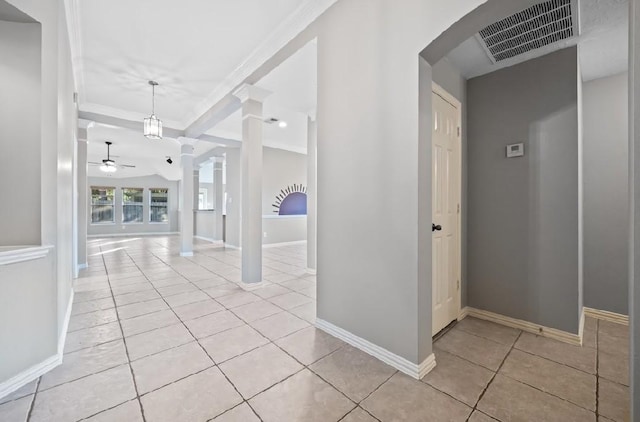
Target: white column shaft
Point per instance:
(252, 191)
(218, 199)
(83, 203)
(312, 176)
(186, 226)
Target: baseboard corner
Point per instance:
(605, 315)
(403, 365)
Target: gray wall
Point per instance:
(606, 203)
(281, 168)
(445, 74)
(523, 212)
(147, 182)
(20, 123)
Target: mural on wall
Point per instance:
(291, 200)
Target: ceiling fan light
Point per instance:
(108, 168)
(153, 127)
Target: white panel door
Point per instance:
(445, 228)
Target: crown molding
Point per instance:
(74, 29)
(293, 25)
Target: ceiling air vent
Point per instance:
(538, 26)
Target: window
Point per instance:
(202, 199)
(132, 204)
(158, 210)
(102, 205)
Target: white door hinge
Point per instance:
(458, 284)
(458, 131)
(458, 208)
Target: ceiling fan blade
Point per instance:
(127, 165)
(94, 163)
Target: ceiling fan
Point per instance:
(108, 165)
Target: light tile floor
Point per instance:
(156, 337)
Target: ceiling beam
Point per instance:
(294, 33)
(137, 126)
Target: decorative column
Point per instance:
(252, 98)
(218, 198)
(82, 204)
(312, 176)
(186, 217)
(196, 189)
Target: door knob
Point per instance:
(435, 227)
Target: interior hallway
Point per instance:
(157, 337)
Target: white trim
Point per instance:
(527, 326)
(275, 245)
(248, 287)
(311, 271)
(97, 236)
(83, 266)
(22, 253)
(283, 217)
(605, 315)
(290, 28)
(208, 239)
(186, 254)
(417, 371)
(65, 325)
(248, 92)
(74, 29)
(28, 375)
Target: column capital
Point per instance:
(187, 141)
(248, 92)
(216, 160)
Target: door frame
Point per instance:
(441, 92)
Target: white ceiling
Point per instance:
(133, 148)
(189, 47)
(294, 96)
(603, 44)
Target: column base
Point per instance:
(186, 253)
(253, 286)
(311, 271)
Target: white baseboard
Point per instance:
(65, 326)
(253, 286)
(275, 245)
(606, 315)
(401, 364)
(208, 239)
(311, 271)
(235, 248)
(37, 370)
(527, 326)
(28, 375)
(94, 236)
(83, 266)
(186, 254)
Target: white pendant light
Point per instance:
(153, 125)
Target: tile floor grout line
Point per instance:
(475, 407)
(126, 349)
(33, 400)
(200, 345)
(273, 342)
(247, 324)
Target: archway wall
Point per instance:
(374, 171)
